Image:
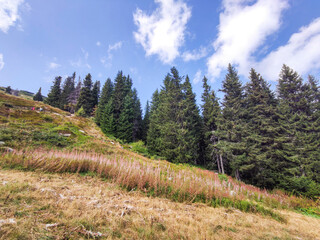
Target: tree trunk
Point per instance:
(221, 164)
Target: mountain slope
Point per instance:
(55, 141)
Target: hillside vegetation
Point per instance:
(126, 186)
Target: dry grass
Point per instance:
(65, 206)
(158, 178)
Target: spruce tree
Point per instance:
(119, 93)
(106, 95)
(294, 115)
(231, 128)
(137, 117)
(95, 94)
(67, 89)
(153, 134)
(54, 95)
(38, 96)
(108, 123)
(170, 116)
(263, 134)
(211, 113)
(86, 99)
(125, 122)
(190, 132)
(146, 122)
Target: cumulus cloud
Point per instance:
(244, 27)
(98, 44)
(302, 53)
(163, 32)
(197, 77)
(195, 54)
(9, 14)
(1, 62)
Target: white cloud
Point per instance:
(244, 27)
(197, 77)
(98, 44)
(302, 53)
(133, 70)
(115, 46)
(82, 62)
(106, 60)
(9, 14)
(53, 65)
(1, 61)
(195, 54)
(163, 32)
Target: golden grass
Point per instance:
(62, 206)
(158, 178)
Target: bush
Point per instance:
(81, 112)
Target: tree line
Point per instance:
(265, 138)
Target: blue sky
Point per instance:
(43, 39)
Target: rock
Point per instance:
(7, 221)
(6, 149)
(65, 134)
(51, 225)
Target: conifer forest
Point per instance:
(270, 139)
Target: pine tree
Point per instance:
(106, 95)
(125, 122)
(153, 134)
(137, 117)
(231, 128)
(54, 95)
(190, 131)
(295, 116)
(67, 89)
(146, 122)
(86, 99)
(211, 113)
(38, 96)
(119, 93)
(95, 94)
(263, 133)
(108, 123)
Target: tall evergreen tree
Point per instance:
(190, 132)
(125, 122)
(263, 133)
(38, 96)
(211, 113)
(137, 117)
(153, 134)
(119, 93)
(146, 122)
(54, 95)
(67, 89)
(106, 95)
(293, 111)
(232, 129)
(95, 94)
(108, 122)
(86, 99)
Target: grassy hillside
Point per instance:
(53, 141)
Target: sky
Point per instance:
(40, 40)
